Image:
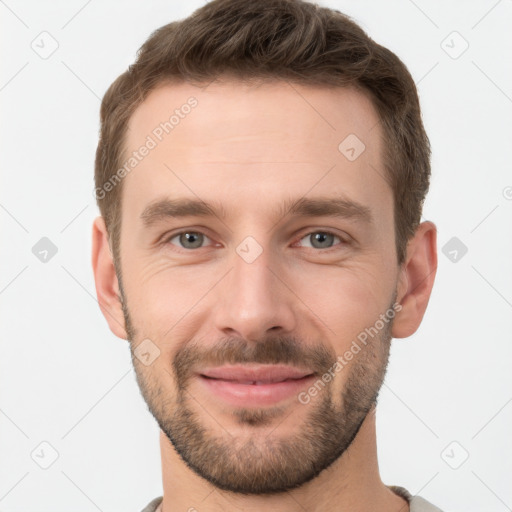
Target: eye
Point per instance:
(188, 239)
(321, 239)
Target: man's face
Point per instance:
(273, 286)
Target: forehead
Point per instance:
(232, 141)
(234, 113)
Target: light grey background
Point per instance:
(67, 381)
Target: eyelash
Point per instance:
(167, 239)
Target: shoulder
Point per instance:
(416, 503)
(153, 505)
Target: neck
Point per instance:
(350, 483)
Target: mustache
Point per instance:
(277, 350)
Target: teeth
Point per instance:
(257, 382)
(261, 382)
(252, 382)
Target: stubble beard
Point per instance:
(261, 464)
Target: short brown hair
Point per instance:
(290, 40)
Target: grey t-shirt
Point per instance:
(416, 503)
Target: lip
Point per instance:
(254, 385)
(266, 374)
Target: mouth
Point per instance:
(255, 385)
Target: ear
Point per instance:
(107, 286)
(416, 280)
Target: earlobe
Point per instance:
(416, 280)
(107, 286)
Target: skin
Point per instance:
(252, 147)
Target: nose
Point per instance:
(254, 299)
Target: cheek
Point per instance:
(346, 299)
(162, 297)
(336, 300)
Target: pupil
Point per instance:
(321, 237)
(193, 239)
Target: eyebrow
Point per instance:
(304, 207)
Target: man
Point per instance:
(260, 174)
